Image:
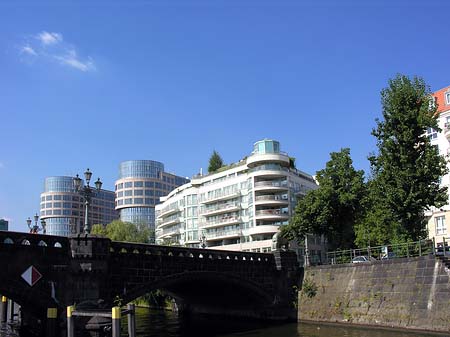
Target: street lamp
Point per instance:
(86, 192)
(203, 241)
(35, 228)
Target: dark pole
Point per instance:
(3, 310)
(115, 313)
(131, 320)
(11, 311)
(70, 322)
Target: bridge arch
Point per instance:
(204, 290)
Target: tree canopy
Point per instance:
(407, 169)
(124, 231)
(215, 162)
(333, 208)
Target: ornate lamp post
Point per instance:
(203, 241)
(35, 228)
(86, 192)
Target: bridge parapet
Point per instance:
(38, 240)
(195, 253)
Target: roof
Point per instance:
(440, 100)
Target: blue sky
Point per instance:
(93, 83)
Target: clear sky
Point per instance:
(93, 83)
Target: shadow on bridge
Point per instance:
(95, 271)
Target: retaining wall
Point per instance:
(403, 293)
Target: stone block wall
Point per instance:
(403, 293)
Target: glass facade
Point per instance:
(63, 209)
(138, 215)
(140, 169)
(3, 225)
(140, 185)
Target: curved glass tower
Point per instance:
(140, 185)
(62, 207)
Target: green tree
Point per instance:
(406, 170)
(124, 231)
(215, 162)
(333, 208)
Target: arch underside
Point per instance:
(208, 292)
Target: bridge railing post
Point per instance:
(52, 315)
(3, 310)
(11, 311)
(115, 314)
(70, 321)
(131, 320)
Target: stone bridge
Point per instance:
(91, 271)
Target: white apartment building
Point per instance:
(439, 218)
(239, 207)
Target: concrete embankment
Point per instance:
(409, 293)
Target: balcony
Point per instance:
(170, 211)
(167, 232)
(223, 221)
(272, 214)
(217, 235)
(260, 158)
(219, 209)
(169, 221)
(271, 185)
(271, 199)
(221, 196)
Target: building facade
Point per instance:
(239, 207)
(140, 185)
(439, 218)
(62, 207)
(3, 225)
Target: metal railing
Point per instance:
(387, 252)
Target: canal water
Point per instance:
(168, 324)
(152, 323)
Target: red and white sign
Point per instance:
(31, 276)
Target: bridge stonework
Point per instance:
(95, 272)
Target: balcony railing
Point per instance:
(220, 221)
(271, 197)
(223, 234)
(282, 183)
(219, 208)
(218, 196)
(272, 212)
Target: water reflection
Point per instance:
(152, 323)
(168, 324)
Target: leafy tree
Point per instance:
(407, 169)
(333, 208)
(124, 231)
(215, 162)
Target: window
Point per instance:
(149, 184)
(138, 184)
(120, 194)
(138, 200)
(128, 201)
(49, 197)
(138, 192)
(128, 184)
(149, 192)
(447, 98)
(56, 197)
(57, 204)
(440, 225)
(431, 133)
(128, 193)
